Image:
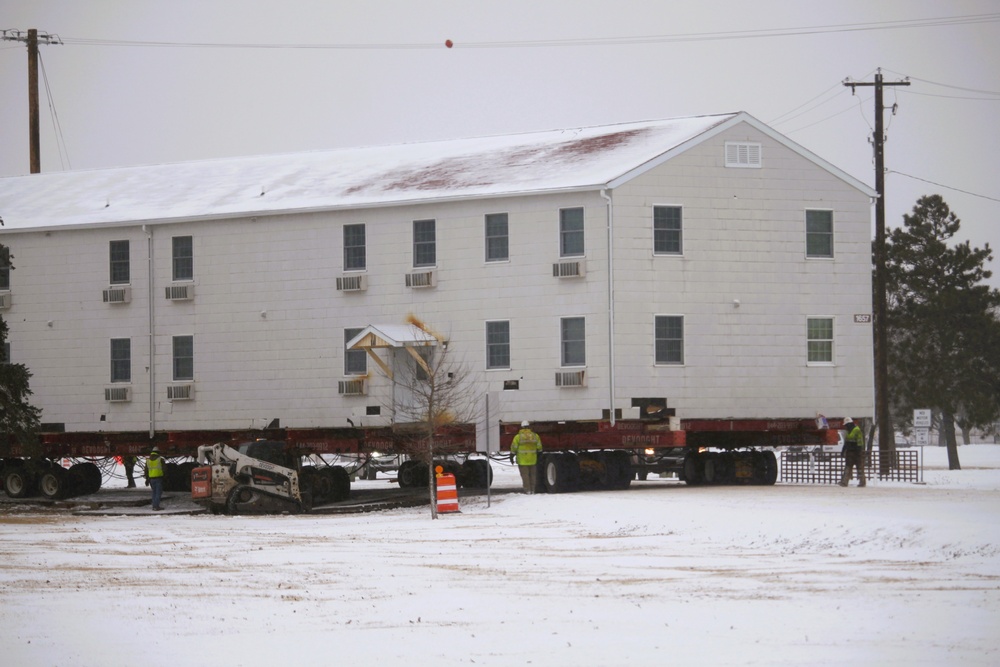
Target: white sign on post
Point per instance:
(921, 419)
(921, 437)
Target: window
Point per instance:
(820, 340)
(4, 268)
(121, 360)
(354, 248)
(573, 334)
(183, 258)
(119, 262)
(498, 344)
(355, 361)
(424, 243)
(819, 233)
(183, 358)
(669, 339)
(6, 354)
(571, 232)
(667, 232)
(742, 154)
(497, 246)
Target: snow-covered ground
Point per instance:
(894, 574)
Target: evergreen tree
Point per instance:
(943, 326)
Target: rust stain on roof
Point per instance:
(486, 169)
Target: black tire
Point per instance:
(622, 469)
(340, 483)
(238, 495)
(693, 469)
(55, 483)
(560, 473)
(409, 475)
(306, 502)
(770, 464)
(18, 482)
(642, 475)
(86, 478)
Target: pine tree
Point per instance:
(943, 326)
(18, 418)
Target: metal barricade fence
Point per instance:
(818, 467)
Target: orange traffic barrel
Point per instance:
(447, 493)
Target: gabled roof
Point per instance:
(541, 162)
(391, 335)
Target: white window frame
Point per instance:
(831, 233)
(189, 377)
(680, 232)
(349, 334)
(563, 343)
(832, 341)
(122, 360)
(564, 234)
(493, 344)
(363, 246)
(120, 263)
(656, 340)
(505, 236)
(177, 259)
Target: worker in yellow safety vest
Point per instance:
(153, 473)
(526, 446)
(854, 452)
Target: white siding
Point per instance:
(268, 321)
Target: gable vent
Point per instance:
(571, 379)
(180, 292)
(180, 392)
(351, 387)
(742, 154)
(421, 279)
(355, 283)
(118, 295)
(117, 394)
(574, 269)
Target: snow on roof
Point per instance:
(391, 335)
(552, 161)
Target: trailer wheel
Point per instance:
(18, 483)
(54, 484)
(411, 474)
(561, 473)
(477, 474)
(693, 469)
(770, 465)
(622, 465)
(340, 483)
(86, 477)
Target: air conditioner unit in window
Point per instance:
(118, 295)
(421, 279)
(180, 392)
(117, 394)
(180, 292)
(571, 379)
(574, 269)
(351, 387)
(356, 283)
(5, 300)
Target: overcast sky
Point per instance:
(144, 81)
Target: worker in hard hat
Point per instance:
(526, 446)
(153, 472)
(854, 452)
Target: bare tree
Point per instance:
(436, 404)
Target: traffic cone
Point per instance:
(447, 493)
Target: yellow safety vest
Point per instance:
(154, 467)
(526, 445)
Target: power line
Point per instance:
(969, 19)
(941, 185)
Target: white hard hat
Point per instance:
(848, 420)
(525, 424)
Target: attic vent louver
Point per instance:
(742, 154)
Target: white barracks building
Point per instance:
(709, 261)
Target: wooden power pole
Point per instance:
(886, 434)
(32, 38)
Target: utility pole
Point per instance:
(32, 38)
(886, 435)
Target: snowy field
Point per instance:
(894, 574)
